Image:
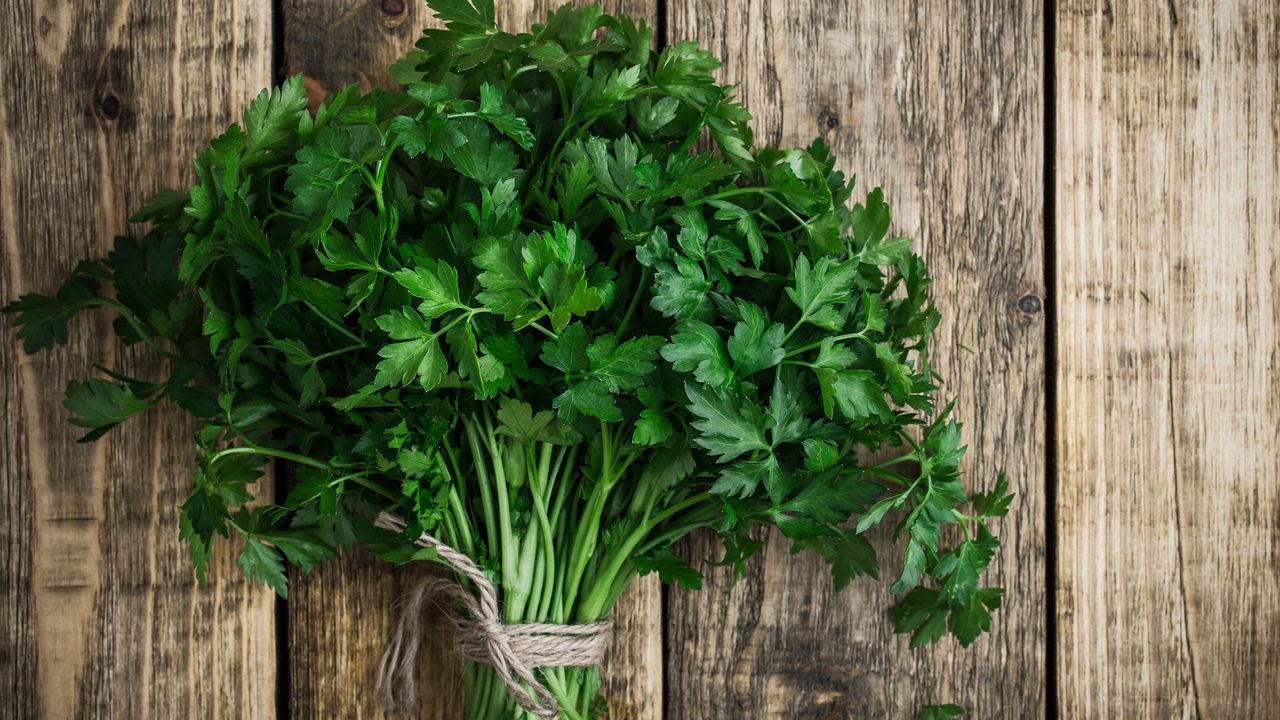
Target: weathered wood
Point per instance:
(100, 106)
(942, 105)
(1167, 254)
(340, 617)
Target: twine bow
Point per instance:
(512, 650)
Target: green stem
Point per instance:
(129, 317)
(270, 452)
(860, 335)
(335, 353)
(486, 495)
(334, 324)
(593, 606)
(514, 583)
(635, 301)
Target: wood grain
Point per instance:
(1168, 261)
(340, 617)
(942, 105)
(100, 106)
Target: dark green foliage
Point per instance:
(519, 303)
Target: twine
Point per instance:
(512, 650)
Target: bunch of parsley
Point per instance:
(522, 304)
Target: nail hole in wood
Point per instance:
(110, 106)
(393, 8)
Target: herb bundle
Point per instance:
(551, 305)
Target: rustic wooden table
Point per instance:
(1094, 184)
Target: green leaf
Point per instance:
(418, 356)
(971, 618)
(744, 477)
(436, 284)
(101, 405)
(745, 225)
(323, 177)
(921, 614)
(728, 426)
(680, 289)
(652, 428)
(622, 367)
(263, 563)
(433, 137)
(697, 348)
(517, 420)
(819, 454)
(943, 441)
(834, 500)
(42, 320)
(653, 116)
(851, 556)
(899, 375)
(481, 369)
(481, 157)
(960, 568)
(271, 120)
(502, 118)
(302, 549)
(995, 503)
(671, 568)
(589, 397)
(568, 352)
(872, 517)
(941, 712)
(756, 345)
(873, 307)
(870, 223)
(428, 93)
(820, 289)
(465, 13)
(595, 372)
(913, 566)
(859, 396)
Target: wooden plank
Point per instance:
(941, 104)
(1167, 256)
(99, 108)
(340, 616)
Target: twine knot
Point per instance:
(512, 650)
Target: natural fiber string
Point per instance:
(512, 650)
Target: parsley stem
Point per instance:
(635, 301)
(340, 351)
(334, 324)
(270, 452)
(860, 335)
(376, 186)
(136, 325)
(543, 330)
(482, 480)
(888, 475)
(892, 461)
(368, 484)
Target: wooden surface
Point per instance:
(893, 82)
(1157, 228)
(1168, 228)
(99, 108)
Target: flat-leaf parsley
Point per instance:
(551, 304)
